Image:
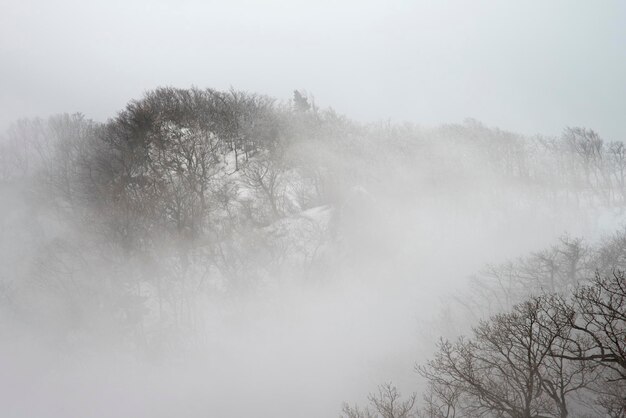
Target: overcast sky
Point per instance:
(527, 66)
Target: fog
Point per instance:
(529, 67)
(219, 251)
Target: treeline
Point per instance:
(188, 193)
(558, 268)
(550, 356)
(130, 220)
(554, 343)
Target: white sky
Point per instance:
(528, 66)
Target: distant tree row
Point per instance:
(559, 268)
(579, 165)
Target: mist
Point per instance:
(270, 209)
(531, 67)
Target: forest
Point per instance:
(224, 253)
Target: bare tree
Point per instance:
(559, 268)
(597, 314)
(617, 166)
(264, 177)
(441, 400)
(588, 148)
(385, 403)
(507, 368)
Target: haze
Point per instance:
(532, 66)
(269, 208)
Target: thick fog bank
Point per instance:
(219, 254)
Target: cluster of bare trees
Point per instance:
(550, 356)
(161, 203)
(387, 402)
(559, 268)
(180, 191)
(600, 165)
(554, 343)
(577, 344)
(578, 166)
